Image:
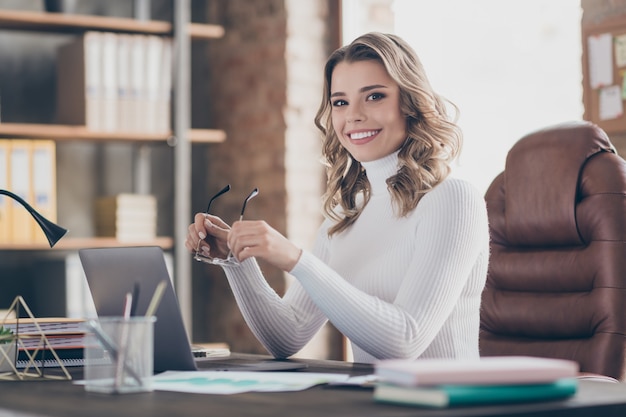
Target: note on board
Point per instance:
(611, 106)
(600, 60)
(620, 51)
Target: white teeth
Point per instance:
(363, 135)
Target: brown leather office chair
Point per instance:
(556, 285)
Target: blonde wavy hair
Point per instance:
(433, 138)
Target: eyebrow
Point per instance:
(361, 90)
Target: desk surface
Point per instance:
(63, 398)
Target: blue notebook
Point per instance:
(462, 395)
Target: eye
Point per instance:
(375, 96)
(339, 103)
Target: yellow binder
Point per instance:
(20, 184)
(43, 162)
(5, 202)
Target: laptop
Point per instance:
(113, 272)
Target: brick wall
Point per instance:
(247, 95)
(264, 83)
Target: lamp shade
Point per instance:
(53, 231)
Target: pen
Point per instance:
(135, 299)
(128, 305)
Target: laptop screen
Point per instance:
(113, 272)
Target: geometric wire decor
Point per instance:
(31, 344)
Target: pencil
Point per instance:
(156, 298)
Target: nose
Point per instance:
(355, 114)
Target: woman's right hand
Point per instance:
(207, 235)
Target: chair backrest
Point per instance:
(556, 285)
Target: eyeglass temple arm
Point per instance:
(250, 197)
(220, 192)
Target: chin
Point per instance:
(367, 157)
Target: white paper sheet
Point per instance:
(233, 382)
(620, 51)
(611, 105)
(600, 60)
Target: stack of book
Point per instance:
(65, 336)
(127, 217)
(489, 380)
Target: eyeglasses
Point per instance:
(230, 259)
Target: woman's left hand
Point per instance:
(249, 238)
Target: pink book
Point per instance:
(483, 371)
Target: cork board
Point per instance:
(604, 74)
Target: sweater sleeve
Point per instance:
(283, 325)
(451, 235)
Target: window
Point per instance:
(511, 66)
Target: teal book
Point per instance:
(460, 395)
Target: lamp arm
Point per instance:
(52, 231)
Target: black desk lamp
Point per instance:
(53, 232)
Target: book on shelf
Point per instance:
(112, 82)
(137, 70)
(462, 395)
(127, 203)
(164, 87)
(79, 81)
(109, 83)
(485, 370)
(154, 50)
(124, 104)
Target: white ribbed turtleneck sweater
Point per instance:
(395, 287)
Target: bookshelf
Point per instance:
(182, 32)
(73, 23)
(73, 132)
(73, 244)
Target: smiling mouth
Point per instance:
(363, 135)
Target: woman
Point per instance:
(400, 262)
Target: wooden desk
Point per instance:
(63, 398)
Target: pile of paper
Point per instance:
(127, 217)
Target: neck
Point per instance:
(379, 171)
